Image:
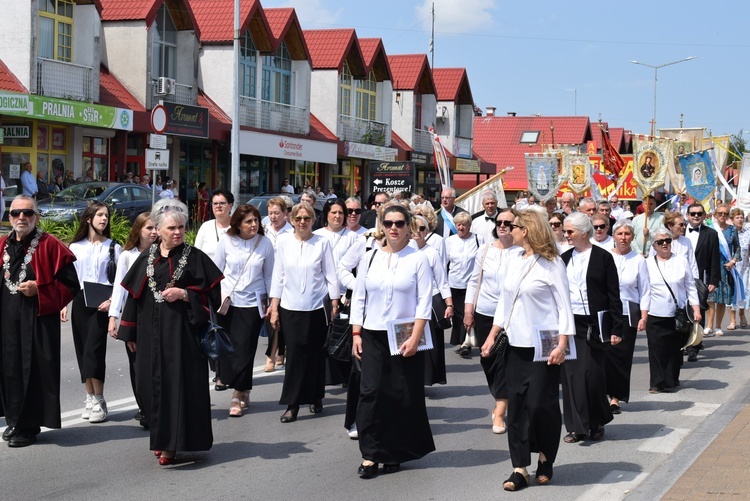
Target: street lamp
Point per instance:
(575, 100)
(656, 70)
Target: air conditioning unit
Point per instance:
(441, 111)
(165, 86)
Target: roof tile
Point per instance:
(216, 17)
(407, 70)
(127, 10)
(329, 48)
(319, 131)
(8, 80)
(279, 20)
(113, 93)
(451, 84)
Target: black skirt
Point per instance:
(458, 331)
(304, 377)
(434, 367)
(89, 327)
(243, 327)
(664, 351)
(620, 362)
(494, 365)
(391, 416)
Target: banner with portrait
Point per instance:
(718, 148)
(651, 158)
(686, 140)
(543, 174)
(577, 171)
(743, 187)
(700, 181)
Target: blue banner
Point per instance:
(700, 181)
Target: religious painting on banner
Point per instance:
(543, 174)
(686, 140)
(700, 181)
(650, 159)
(577, 170)
(718, 148)
(743, 187)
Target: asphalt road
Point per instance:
(256, 457)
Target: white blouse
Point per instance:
(492, 279)
(460, 253)
(635, 287)
(677, 272)
(348, 262)
(577, 271)
(208, 237)
(231, 255)
(383, 292)
(608, 244)
(340, 242)
(439, 280)
(91, 260)
(273, 235)
(119, 294)
(543, 298)
(682, 246)
(303, 273)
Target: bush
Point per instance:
(119, 228)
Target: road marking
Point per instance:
(664, 441)
(701, 409)
(615, 485)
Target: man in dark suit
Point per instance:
(370, 216)
(705, 241)
(448, 202)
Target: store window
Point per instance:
(346, 178)
(248, 65)
(164, 45)
(277, 76)
(304, 175)
(196, 166)
(51, 144)
(367, 97)
(95, 164)
(56, 29)
(345, 85)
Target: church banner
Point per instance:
(651, 160)
(743, 187)
(700, 181)
(686, 140)
(577, 170)
(543, 174)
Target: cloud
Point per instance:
(312, 14)
(457, 16)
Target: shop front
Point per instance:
(350, 174)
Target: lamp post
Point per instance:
(656, 71)
(575, 101)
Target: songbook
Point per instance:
(262, 299)
(95, 294)
(546, 340)
(605, 326)
(634, 314)
(400, 330)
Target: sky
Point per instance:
(556, 58)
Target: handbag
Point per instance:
(500, 344)
(214, 340)
(682, 322)
(111, 264)
(438, 309)
(227, 301)
(338, 343)
(702, 289)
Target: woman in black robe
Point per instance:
(168, 287)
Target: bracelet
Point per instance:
(356, 333)
(449, 306)
(184, 294)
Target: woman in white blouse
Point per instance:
(246, 258)
(601, 232)
(303, 275)
(94, 249)
(142, 235)
(460, 251)
(635, 294)
(556, 223)
(394, 282)
(353, 215)
(433, 239)
(534, 293)
(489, 261)
(664, 343)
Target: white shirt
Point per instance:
(634, 282)
(383, 292)
(460, 253)
(119, 294)
(231, 255)
(677, 273)
(578, 268)
(608, 244)
(208, 237)
(543, 298)
(273, 235)
(484, 227)
(288, 189)
(439, 280)
(693, 235)
(166, 194)
(91, 260)
(683, 247)
(349, 261)
(303, 273)
(492, 280)
(340, 242)
(616, 212)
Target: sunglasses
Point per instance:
(695, 214)
(302, 219)
(377, 203)
(555, 225)
(25, 212)
(600, 226)
(353, 211)
(722, 213)
(499, 223)
(514, 226)
(663, 241)
(388, 224)
(422, 228)
(569, 232)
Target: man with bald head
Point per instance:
(445, 226)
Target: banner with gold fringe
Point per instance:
(543, 174)
(651, 157)
(700, 181)
(686, 140)
(577, 171)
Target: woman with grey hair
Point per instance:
(594, 289)
(670, 279)
(635, 294)
(168, 287)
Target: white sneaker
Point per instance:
(99, 411)
(353, 434)
(89, 404)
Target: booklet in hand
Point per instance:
(400, 330)
(546, 340)
(95, 293)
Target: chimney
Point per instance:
(491, 111)
(511, 113)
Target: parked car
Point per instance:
(126, 199)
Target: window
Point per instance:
(56, 29)
(529, 136)
(164, 45)
(277, 76)
(248, 66)
(94, 156)
(418, 110)
(367, 97)
(346, 91)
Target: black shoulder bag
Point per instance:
(214, 340)
(682, 322)
(112, 264)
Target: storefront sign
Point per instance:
(183, 120)
(14, 102)
(72, 112)
(16, 131)
(464, 165)
(422, 159)
(370, 152)
(290, 148)
(157, 159)
(392, 176)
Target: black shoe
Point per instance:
(391, 468)
(22, 440)
(368, 471)
(692, 357)
(615, 409)
(220, 387)
(317, 407)
(144, 422)
(464, 352)
(9, 433)
(290, 415)
(597, 434)
(138, 415)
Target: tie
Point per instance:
(488, 218)
(696, 229)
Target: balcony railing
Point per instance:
(358, 130)
(422, 141)
(64, 80)
(183, 94)
(278, 117)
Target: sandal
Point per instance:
(244, 399)
(279, 360)
(270, 367)
(235, 411)
(743, 321)
(543, 472)
(516, 481)
(572, 438)
(732, 326)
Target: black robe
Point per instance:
(171, 371)
(30, 342)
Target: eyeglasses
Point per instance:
(388, 224)
(220, 204)
(600, 226)
(695, 214)
(302, 219)
(681, 225)
(722, 213)
(555, 225)
(353, 211)
(663, 241)
(499, 223)
(514, 226)
(25, 212)
(569, 232)
(422, 228)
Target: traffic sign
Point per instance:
(157, 159)
(159, 120)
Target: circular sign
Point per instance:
(159, 118)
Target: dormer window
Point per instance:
(164, 46)
(529, 137)
(277, 76)
(367, 97)
(56, 29)
(248, 66)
